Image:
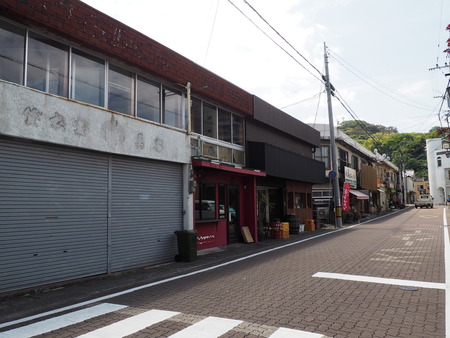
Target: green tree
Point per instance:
(404, 149)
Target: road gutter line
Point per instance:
(121, 293)
(447, 273)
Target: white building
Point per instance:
(438, 158)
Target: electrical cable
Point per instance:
(336, 57)
(276, 43)
(357, 120)
(308, 99)
(290, 45)
(211, 34)
(318, 105)
(442, 103)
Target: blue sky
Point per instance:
(380, 52)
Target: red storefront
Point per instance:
(225, 201)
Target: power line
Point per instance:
(290, 45)
(304, 100)
(211, 34)
(276, 43)
(342, 61)
(357, 120)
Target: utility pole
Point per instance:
(334, 159)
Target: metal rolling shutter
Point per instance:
(53, 214)
(146, 209)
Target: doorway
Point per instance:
(229, 210)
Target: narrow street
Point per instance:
(383, 278)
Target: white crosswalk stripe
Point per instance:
(208, 328)
(204, 328)
(290, 333)
(131, 325)
(60, 322)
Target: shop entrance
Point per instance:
(229, 210)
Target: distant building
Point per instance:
(421, 187)
(374, 180)
(438, 158)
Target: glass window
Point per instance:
(300, 200)
(224, 125)
(355, 162)
(196, 116)
(222, 201)
(290, 200)
(120, 90)
(209, 150)
(209, 120)
(195, 146)
(225, 154)
(238, 157)
(88, 79)
(322, 154)
(12, 51)
(205, 202)
(148, 100)
(439, 162)
(343, 159)
(173, 108)
(238, 130)
(47, 65)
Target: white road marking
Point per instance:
(208, 328)
(391, 281)
(131, 325)
(59, 322)
(290, 333)
(447, 274)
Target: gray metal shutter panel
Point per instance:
(146, 209)
(53, 214)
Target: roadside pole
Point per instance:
(334, 160)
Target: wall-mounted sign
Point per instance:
(350, 177)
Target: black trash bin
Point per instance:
(187, 245)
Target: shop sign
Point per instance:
(350, 177)
(346, 197)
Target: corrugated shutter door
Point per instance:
(146, 210)
(53, 214)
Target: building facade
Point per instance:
(282, 147)
(111, 142)
(373, 179)
(438, 160)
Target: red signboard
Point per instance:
(346, 197)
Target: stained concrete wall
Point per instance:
(30, 114)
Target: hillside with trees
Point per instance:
(406, 148)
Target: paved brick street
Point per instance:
(312, 285)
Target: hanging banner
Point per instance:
(346, 197)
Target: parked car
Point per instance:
(424, 201)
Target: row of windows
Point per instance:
(220, 128)
(323, 154)
(41, 63)
(44, 64)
